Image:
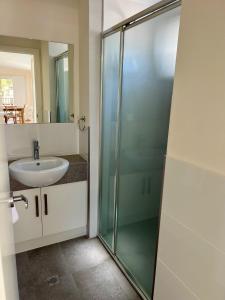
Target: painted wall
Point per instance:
(90, 53)
(116, 11)
(19, 139)
(20, 88)
(52, 20)
(191, 258)
(84, 70)
(46, 108)
(95, 28)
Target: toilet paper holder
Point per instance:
(15, 199)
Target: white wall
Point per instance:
(54, 139)
(19, 87)
(90, 53)
(116, 11)
(191, 258)
(84, 70)
(53, 20)
(95, 27)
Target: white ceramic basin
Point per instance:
(38, 173)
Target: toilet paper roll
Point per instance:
(15, 215)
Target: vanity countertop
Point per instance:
(78, 171)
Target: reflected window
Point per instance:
(17, 96)
(6, 91)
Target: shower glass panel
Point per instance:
(62, 88)
(148, 70)
(110, 102)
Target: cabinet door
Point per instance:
(64, 207)
(29, 225)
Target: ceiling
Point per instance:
(116, 11)
(55, 49)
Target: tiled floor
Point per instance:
(136, 249)
(79, 269)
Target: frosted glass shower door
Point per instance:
(148, 71)
(110, 102)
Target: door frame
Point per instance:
(8, 274)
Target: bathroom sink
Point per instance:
(38, 173)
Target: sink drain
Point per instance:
(53, 280)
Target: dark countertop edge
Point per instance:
(72, 158)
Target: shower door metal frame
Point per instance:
(119, 29)
(145, 15)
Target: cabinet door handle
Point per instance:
(46, 204)
(37, 206)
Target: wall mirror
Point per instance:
(36, 81)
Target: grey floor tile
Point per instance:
(122, 281)
(104, 281)
(83, 269)
(23, 270)
(45, 262)
(28, 293)
(65, 290)
(83, 254)
(100, 292)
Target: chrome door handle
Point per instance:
(18, 198)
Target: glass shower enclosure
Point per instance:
(62, 88)
(137, 82)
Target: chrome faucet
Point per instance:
(36, 148)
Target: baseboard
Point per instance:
(50, 239)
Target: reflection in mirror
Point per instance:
(36, 81)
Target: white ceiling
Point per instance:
(116, 11)
(55, 49)
(15, 60)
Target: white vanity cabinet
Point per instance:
(64, 207)
(55, 213)
(29, 225)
